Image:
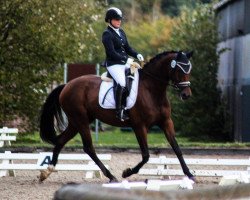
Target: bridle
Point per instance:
(186, 69)
(181, 85)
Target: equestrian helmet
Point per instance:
(113, 13)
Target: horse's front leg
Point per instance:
(89, 149)
(168, 128)
(141, 135)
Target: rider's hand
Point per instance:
(130, 61)
(140, 57)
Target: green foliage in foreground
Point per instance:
(36, 38)
(116, 138)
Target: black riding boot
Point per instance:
(120, 98)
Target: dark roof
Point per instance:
(222, 4)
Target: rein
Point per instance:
(175, 86)
(155, 77)
(177, 62)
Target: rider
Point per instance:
(118, 51)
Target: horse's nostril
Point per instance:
(184, 96)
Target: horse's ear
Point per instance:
(179, 55)
(189, 54)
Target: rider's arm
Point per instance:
(129, 50)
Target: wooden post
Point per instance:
(93, 192)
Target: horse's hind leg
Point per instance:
(62, 139)
(89, 149)
(141, 135)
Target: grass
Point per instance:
(116, 138)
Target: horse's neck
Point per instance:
(156, 87)
(158, 71)
(154, 76)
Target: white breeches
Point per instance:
(118, 73)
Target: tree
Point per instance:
(203, 113)
(173, 7)
(36, 38)
(150, 38)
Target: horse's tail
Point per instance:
(51, 109)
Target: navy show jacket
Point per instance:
(116, 47)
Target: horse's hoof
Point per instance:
(193, 179)
(127, 172)
(113, 180)
(72, 183)
(42, 176)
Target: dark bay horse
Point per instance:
(79, 100)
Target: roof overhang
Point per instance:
(222, 4)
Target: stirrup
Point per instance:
(122, 115)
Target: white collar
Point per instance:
(115, 29)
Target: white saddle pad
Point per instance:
(109, 101)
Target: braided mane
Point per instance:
(159, 56)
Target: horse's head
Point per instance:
(171, 66)
(179, 73)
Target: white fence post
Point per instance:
(6, 136)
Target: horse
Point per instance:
(79, 101)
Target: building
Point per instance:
(234, 68)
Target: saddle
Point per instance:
(108, 88)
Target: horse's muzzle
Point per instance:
(185, 93)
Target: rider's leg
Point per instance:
(118, 74)
(120, 98)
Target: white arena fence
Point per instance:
(9, 162)
(7, 135)
(154, 185)
(163, 166)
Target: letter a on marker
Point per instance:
(46, 161)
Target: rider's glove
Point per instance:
(130, 61)
(140, 57)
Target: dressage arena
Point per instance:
(26, 185)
